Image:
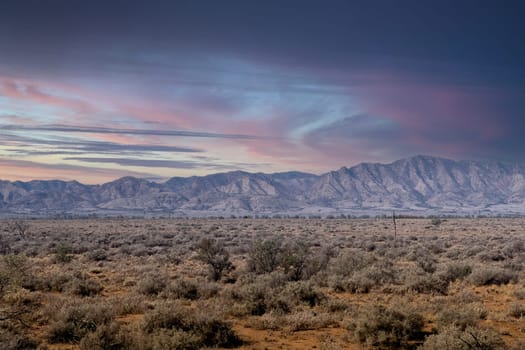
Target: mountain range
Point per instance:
(418, 185)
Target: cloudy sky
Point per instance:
(95, 90)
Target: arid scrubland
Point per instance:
(262, 284)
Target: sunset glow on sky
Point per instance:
(96, 90)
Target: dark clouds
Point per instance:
(338, 33)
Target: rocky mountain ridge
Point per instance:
(418, 185)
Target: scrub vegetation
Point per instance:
(250, 283)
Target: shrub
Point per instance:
(167, 316)
(360, 273)
(517, 311)
(172, 339)
(453, 338)
(13, 271)
(387, 327)
(304, 320)
(184, 289)
(151, 285)
(264, 256)
(316, 262)
(216, 256)
(302, 293)
(98, 255)
(294, 258)
(13, 341)
(259, 296)
(484, 276)
(54, 282)
(350, 262)
(105, 337)
(461, 318)
(358, 283)
(203, 330)
(62, 254)
(428, 283)
(492, 255)
(426, 263)
(457, 271)
(129, 304)
(83, 285)
(74, 321)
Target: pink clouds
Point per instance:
(104, 107)
(28, 170)
(448, 119)
(29, 92)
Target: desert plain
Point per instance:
(339, 283)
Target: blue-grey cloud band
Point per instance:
(124, 131)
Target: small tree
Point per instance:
(294, 259)
(264, 256)
(214, 254)
(19, 227)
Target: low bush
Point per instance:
(484, 276)
(151, 285)
(428, 284)
(83, 285)
(467, 316)
(457, 271)
(258, 294)
(197, 329)
(106, 336)
(517, 311)
(11, 340)
(360, 274)
(62, 254)
(383, 327)
(346, 264)
(73, 321)
(471, 338)
(183, 289)
(302, 293)
(172, 339)
(98, 255)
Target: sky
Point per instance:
(96, 90)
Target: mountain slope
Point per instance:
(420, 183)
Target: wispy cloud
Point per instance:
(145, 132)
(163, 163)
(69, 145)
(153, 163)
(17, 169)
(19, 90)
